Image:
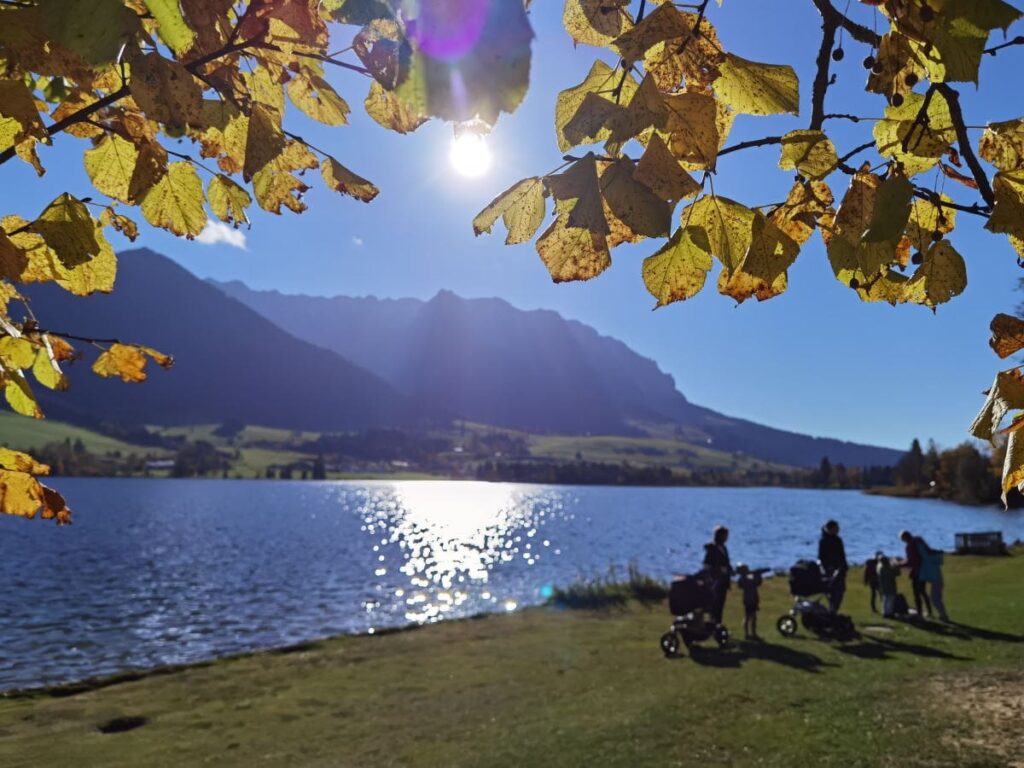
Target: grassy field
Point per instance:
(29, 434)
(548, 687)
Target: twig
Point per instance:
(964, 142)
(1018, 40)
(857, 32)
(829, 25)
(767, 140)
(929, 195)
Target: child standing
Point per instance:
(748, 583)
(887, 573)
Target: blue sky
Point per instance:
(815, 360)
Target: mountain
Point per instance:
(484, 360)
(230, 362)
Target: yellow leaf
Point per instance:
(596, 22)
(806, 203)
(19, 396)
(661, 172)
(91, 276)
(754, 88)
(150, 168)
(665, 23)
(315, 96)
(727, 225)
(573, 253)
(1007, 335)
(120, 222)
(171, 25)
(1008, 213)
(763, 272)
(916, 144)
(68, 230)
(19, 117)
(577, 194)
(16, 352)
(16, 461)
(390, 111)
(679, 269)
(165, 90)
(1002, 144)
(1006, 394)
(128, 361)
(599, 83)
(47, 372)
(342, 180)
(265, 140)
(228, 201)
(693, 128)
(941, 276)
(926, 218)
(854, 262)
(632, 203)
(1013, 464)
(176, 202)
(809, 152)
(110, 165)
(222, 133)
(275, 185)
(690, 58)
(20, 494)
(521, 208)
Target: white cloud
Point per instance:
(218, 232)
(357, 241)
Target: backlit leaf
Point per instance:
(891, 210)
(599, 84)
(176, 202)
(596, 22)
(315, 96)
(1008, 213)
(728, 227)
(941, 276)
(165, 90)
(521, 208)
(342, 180)
(171, 25)
(754, 88)
(763, 271)
(659, 170)
(809, 152)
(19, 395)
(573, 253)
(1002, 144)
(16, 352)
(916, 144)
(16, 461)
(390, 111)
(679, 269)
(128, 362)
(110, 165)
(1005, 395)
(664, 23)
(693, 128)
(68, 230)
(633, 203)
(228, 200)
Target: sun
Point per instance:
(469, 154)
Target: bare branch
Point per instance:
(857, 32)
(829, 25)
(964, 142)
(766, 141)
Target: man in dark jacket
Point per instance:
(718, 569)
(832, 556)
(913, 563)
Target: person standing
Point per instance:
(748, 582)
(913, 563)
(887, 573)
(832, 556)
(931, 573)
(719, 569)
(871, 579)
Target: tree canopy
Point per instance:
(181, 105)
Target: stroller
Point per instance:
(690, 598)
(807, 579)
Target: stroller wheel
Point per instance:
(721, 636)
(786, 625)
(670, 645)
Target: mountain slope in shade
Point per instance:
(230, 362)
(484, 360)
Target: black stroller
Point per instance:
(807, 579)
(690, 599)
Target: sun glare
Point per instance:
(469, 154)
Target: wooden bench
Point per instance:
(987, 543)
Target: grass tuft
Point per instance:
(610, 591)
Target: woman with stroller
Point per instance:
(718, 569)
(832, 556)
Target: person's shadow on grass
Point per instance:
(882, 649)
(740, 652)
(965, 631)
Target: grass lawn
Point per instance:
(25, 434)
(547, 687)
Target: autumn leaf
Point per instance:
(596, 22)
(573, 253)
(390, 111)
(1007, 335)
(941, 276)
(1005, 395)
(1008, 212)
(315, 96)
(891, 210)
(111, 165)
(521, 208)
(754, 88)
(1002, 144)
(342, 180)
(228, 200)
(68, 230)
(634, 204)
(659, 170)
(128, 361)
(728, 227)
(171, 26)
(679, 269)
(175, 203)
(811, 153)
(16, 461)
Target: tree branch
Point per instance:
(829, 25)
(1018, 40)
(964, 142)
(927, 194)
(766, 141)
(841, 163)
(857, 32)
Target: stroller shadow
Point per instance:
(964, 631)
(882, 649)
(741, 652)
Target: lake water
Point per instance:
(167, 571)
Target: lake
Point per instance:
(168, 571)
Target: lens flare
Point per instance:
(470, 155)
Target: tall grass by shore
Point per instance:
(610, 590)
